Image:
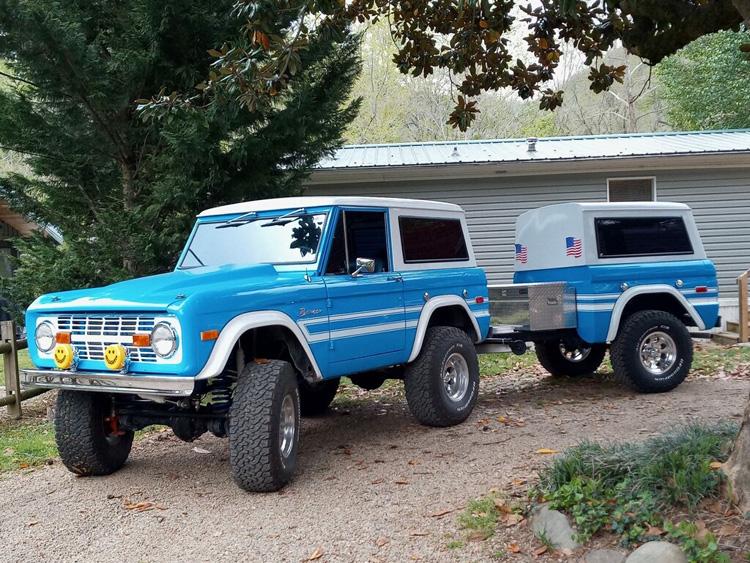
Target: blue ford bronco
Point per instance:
(273, 301)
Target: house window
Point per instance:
(425, 239)
(619, 237)
(631, 189)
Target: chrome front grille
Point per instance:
(91, 334)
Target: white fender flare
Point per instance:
(628, 294)
(240, 324)
(424, 319)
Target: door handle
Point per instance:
(394, 278)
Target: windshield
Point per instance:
(268, 240)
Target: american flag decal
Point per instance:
(522, 254)
(573, 247)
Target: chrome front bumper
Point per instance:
(108, 382)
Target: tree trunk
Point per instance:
(743, 7)
(737, 467)
(128, 196)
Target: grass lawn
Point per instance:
(26, 445)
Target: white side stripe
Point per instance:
(596, 307)
(358, 331)
(704, 301)
(348, 316)
(365, 330)
(689, 293)
(596, 296)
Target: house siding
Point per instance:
(720, 200)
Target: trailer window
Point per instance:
(425, 239)
(641, 236)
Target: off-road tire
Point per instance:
(85, 444)
(315, 398)
(255, 417)
(426, 393)
(550, 356)
(625, 351)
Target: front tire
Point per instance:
(653, 352)
(264, 422)
(442, 384)
(87, 436)
(569, 357)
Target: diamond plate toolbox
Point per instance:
(533, 306)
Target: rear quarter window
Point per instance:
(426, 239)
(619, 237)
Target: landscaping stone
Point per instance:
(657, 552)
(605, 556)
(553, 525)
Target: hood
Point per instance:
(156, 292)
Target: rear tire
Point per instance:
(315, 398)
(442, 384)
(87, 437)
(653, 352)
(574, 358)
(264, 422)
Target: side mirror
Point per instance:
(364, 266)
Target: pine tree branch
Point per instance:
(18, 79)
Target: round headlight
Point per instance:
(45, 337)
(163, 340)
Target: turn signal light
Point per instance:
(209, 335)
(62, 338)
(141, 340)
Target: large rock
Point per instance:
(554, 527)
(657, 552)
(605, 556)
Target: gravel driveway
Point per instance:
(370, 487)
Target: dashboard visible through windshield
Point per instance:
(293, 238)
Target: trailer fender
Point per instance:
(628, 294)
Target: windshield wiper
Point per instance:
(191, 251)
(286, 218)
(243, 219)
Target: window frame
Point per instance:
(333, 222)
(626, 178)
(220, 219)
(601, 256)
(432, 260)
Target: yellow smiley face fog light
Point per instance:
(115, 356)
(64, 356)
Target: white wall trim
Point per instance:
(625, 178)
(240, 324)
(424, 319)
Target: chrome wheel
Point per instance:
(287, 426)
(658, 352)
(456, 377)
(574, 354)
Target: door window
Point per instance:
(358, 234)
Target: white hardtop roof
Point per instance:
(324, 201)
(623, 206)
